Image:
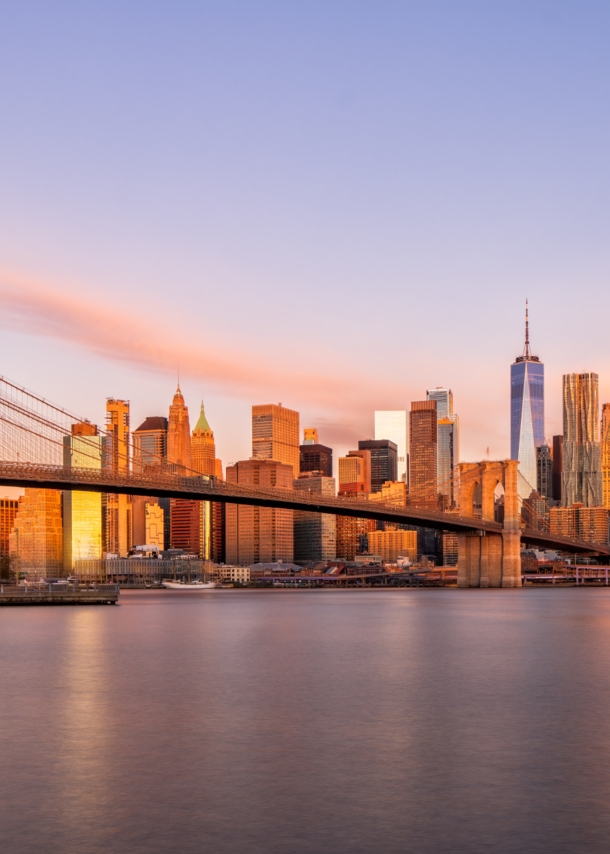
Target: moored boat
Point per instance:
(188, 585)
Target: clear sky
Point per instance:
(335, 205)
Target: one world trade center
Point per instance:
(526, 412)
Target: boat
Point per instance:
(188, 585)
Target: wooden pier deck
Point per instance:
(58, 594)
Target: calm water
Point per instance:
(403, 721)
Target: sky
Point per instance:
(333, 205)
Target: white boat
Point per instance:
(188, 585)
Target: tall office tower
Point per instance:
(259, 534)
(352, 536)
(203, 456)
(275, 435)
(423, 491)
(606, 455)
(384, 461)
(448, 444)
(150, 444)
(355, 473)
(188, 526)
(394, 425)
(526, 413)
(8, 511)
(82, 511)
(581, 480)
(36, 541)
(544, 472)
(557, 466)
(313, 456)
(179, 435)
(148, 522)
(391, 545)
(116, 509)
(315, 534)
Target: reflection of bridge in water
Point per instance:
(32, 435)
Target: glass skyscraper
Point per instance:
(526, 413)
(448, 437)
(393, 424)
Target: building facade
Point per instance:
(580, 522)
(384, 461)
(394, 425)
(315, 534)
(544, 472)
(275, 435)
(352, 536)
(8, 511)
(526, 413)
(581, 479)
(315, 457)
(36, 541)
(605, 454)
(448, 445)
(179, 435)
(116, 509)
(557, 467)
(393, 544)
(150, 444)
(423, 491)
(82, 511)
(259, 534)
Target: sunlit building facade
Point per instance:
(315, 534)
(448, 444)
(150, 444)
(313, 456)
(384, 455)
(526, 413)
(581, 479)
(203, 457)
(355, 473)
(352, 536)
(423, 491)
(8, 511)
(116, 509)
(393, 544)
(394, 425)
(275, 435)
(82, 511)
(36, 541)
(179, 435)
(580, 522)
(605, 455)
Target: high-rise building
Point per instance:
(544, 472)
(189, 526)
(393, 544)
(275, 435)
(355, 473)
(581, 481)
(526, 413)
(150, 444)
(315, 534)
(384, 456)
(557, 466)
(203, 455)
(36, 541)
(448, 444)
(179, 435)
(116, 509)
(580, 522)
(423, 491)
(605, 443)
(394, 425)
(259, 534)
(82, 511)
(352, 536)
(313, 456)
(392, 493)
(8, 511)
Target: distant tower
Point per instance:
(203, 448)
(275, 435)
(179, 434)
(424, 454)
(448, 444)
(203, 454)
(581, 478)
(117, 508)
(526, 412)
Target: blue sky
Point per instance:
(336, 205)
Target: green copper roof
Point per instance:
(202, 424)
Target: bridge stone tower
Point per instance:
(490, 559)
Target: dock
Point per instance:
(58, 594)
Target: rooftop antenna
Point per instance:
(527, 331)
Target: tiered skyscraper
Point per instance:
(526, 413)
(275, 435)
(117, 508)
(448, 444)
(179, 434)
(581, 479)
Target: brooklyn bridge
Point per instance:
(32, 433)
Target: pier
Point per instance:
(58, 594)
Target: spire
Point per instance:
(202, 424)
(527, 353)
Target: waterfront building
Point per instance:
(423, 491)
(82, 511)
(557, 467)
(384, 457)
(605, 454)
(116, 509)
(544, 472)
(36, 541)
(313, 456)
(393, 544)
(188, 525)
(526, 413)
(275, 435)
(179, 435)
(448, 444)
(148, 522)
(150, 444)
(259, 534)
(448, 548)
(581, 481)
(355, 473)
(315, 534)
(352, 536)
(8, 511)
(394, 425)
(580, 522)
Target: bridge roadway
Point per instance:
(203, 488)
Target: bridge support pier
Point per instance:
(489, 559)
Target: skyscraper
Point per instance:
(315, 534)
(606, 455)
(394, 425)
(179, 435)
(384, 455)
(544, 471)
(581, 480)
(82, 511)
(203, 456)
(313, 456)
(116, 509)
(423, 491)
(275, 435)
(150, 444)
(448, 443)
(557, 466)
(526, 413)
(37, 536)
(355, 473)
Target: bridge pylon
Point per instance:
(490, 559)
